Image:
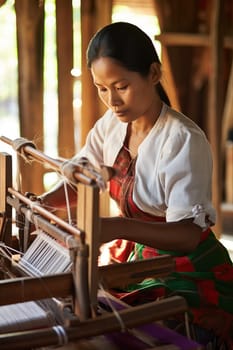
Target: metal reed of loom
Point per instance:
(82, 276)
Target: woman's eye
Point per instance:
(122, 87)
(102, 89)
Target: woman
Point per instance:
(163, 182)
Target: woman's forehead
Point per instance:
(106, 68)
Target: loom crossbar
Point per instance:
(123, 274)
(104, 324)
(23, 289)
(81, 174)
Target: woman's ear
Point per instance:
(155, 72)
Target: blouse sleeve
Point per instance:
(186, 176)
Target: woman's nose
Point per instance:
(113, 99)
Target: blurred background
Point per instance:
(47, 95)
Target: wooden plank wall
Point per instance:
(195, 48)
(30, 39)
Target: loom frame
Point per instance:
(82, 283)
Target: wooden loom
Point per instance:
(84, 318)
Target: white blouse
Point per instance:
(174, 165)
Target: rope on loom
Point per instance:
(67, 203)
(135, 332)
(61, 335)
(123, 327)
(5, 251)
(39, 200)
(116, 313)
(19, 144)
(187, 326)
(69, 167)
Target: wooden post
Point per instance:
(30, 38)
(229, 172)
(88, 221)
(228, 110)
(64, 14)
(5, 208)
(215, 106)
(94, 15)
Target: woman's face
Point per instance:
(128, 94)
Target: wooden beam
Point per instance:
(228, 109)
(88, 221)
(215, 105)
(94, 15)
(21, 289)
(188, 39)
(89, 110)
(183, 39)
(64, 14)
(30, 38)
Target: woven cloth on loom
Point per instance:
(23, 316)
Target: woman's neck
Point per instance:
(138, 130)
(142, 126)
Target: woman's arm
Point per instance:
(182, 236)
(56, 197)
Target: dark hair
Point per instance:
(127, 44)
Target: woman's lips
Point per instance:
(120, 113)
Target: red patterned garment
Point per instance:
(204, 277)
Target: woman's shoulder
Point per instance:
(178, 122)
(175, 131)
(178, 132)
